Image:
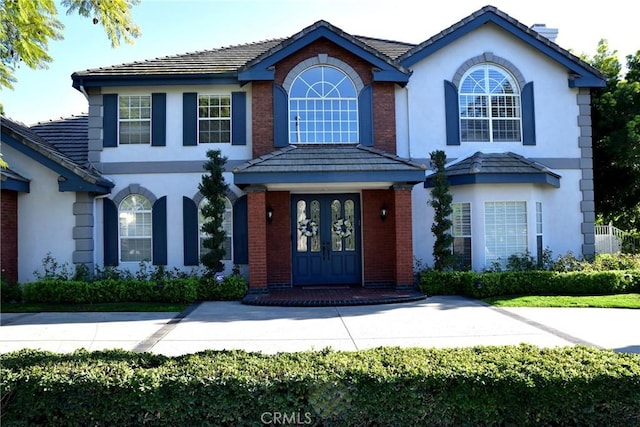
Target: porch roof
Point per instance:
(335, 163)
(497, 168)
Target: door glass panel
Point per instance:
(349, 217)
(336, 239)
(301, 210)
(315, 217)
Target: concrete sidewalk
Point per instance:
(433, 322)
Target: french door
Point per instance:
(326, 239)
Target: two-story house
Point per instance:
(328, 137)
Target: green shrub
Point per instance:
(491, 284)
(232, 287)
(513, 385)
(10, 292)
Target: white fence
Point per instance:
(610, 240)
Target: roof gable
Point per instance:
(581, 74)
(385, 68)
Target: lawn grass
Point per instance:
(599, 301)
(103, 307)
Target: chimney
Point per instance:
(550, 33)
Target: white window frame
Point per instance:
(497, 106)
(215, 114)
(135, 114)
(132, 216)
(508, 233)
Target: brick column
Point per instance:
(403, 236)
(9, 235)
(257, 235)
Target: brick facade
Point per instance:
(279, 239)
(378, 239)
(257, 231)
(9, 235)
(403, 236)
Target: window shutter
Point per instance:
(280, 117)
(189, 119)
(110, 232)
(238, 118)
(159, 223)
(110, 120)
(190, 231)
(240, 232)
(365, 116)
(528, 115)
(159, 119)
(452, 118)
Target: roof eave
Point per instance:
(88, 81)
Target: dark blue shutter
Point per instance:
(452, 118)
(190, 231)
(110, 232)
(189, 119)
(159, 119)
(110, 120)
(239, 118)
(528, 115)
(280, 117)
(159, 224)
(365, 116)
(240, 232)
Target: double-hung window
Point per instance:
(461, 233)
(134, 119)
(135, 215)
(214, 119)
(490, 107)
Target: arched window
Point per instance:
(227, 226)
(323, 107)
(490, 109)
(135, 228)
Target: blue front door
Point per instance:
(326, 239)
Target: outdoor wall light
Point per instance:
(384, 212)
(269, 214)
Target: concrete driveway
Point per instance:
(434, 322)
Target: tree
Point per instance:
(27, 27)
(616, 140)
(441, 202)
(214, 188)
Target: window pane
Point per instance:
(321, 98)
(336, 212)
(135, 228)
(134, 119)
(214, 119)
(491, 93)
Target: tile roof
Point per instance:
(67, 135)
(497, 168)
(34, 141)
(328, 158)
(330, 163)
(224, 60)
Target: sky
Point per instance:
(171, 27)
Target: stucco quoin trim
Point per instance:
(134, 189)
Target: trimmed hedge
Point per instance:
(490, 284)
(514, 385)
(175, 290)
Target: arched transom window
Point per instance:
(135, 228)
(490, 109)
(323, 107)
